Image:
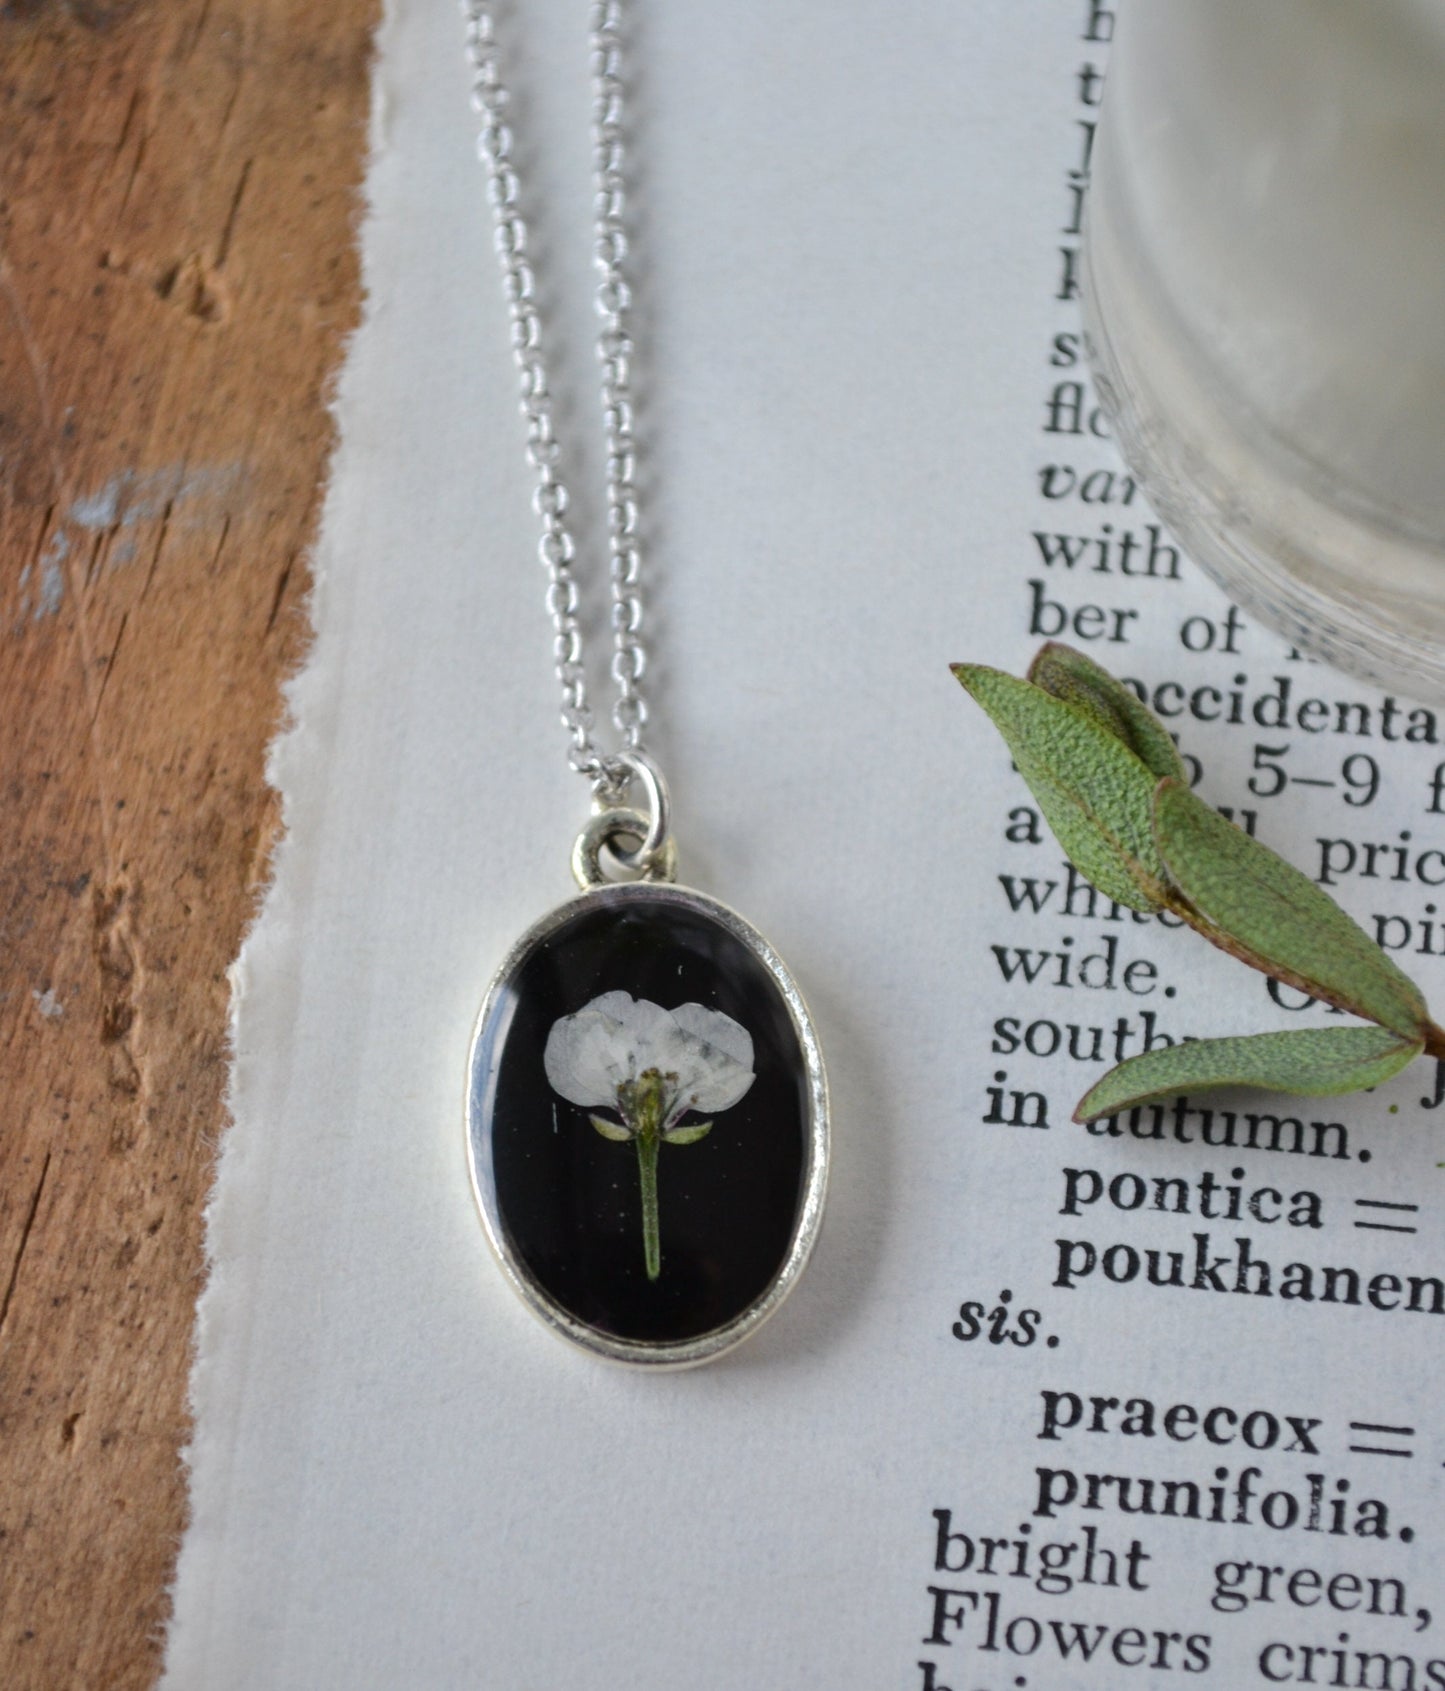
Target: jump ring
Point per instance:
(639, 766)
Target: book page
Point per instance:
(1142, 1404)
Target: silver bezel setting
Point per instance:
(681, 1353)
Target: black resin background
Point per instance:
(568, 1198)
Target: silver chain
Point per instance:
(557, 547)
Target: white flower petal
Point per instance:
(720, 1069)
(719, 1090)
(588, 1056)
(714, 1028)
(648, 1030)
(621, 1007)
(667, 1049)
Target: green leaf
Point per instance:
(1080, 682)
(612, 1130)
(688, 1135)
(1094, 792)
(1314, 1062)
(1264, 911)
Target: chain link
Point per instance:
(557, 548)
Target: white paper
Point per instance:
(852, 232)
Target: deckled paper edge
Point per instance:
(285, 757)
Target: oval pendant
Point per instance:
(647, 1124)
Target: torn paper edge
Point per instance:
(303, 692)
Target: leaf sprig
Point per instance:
(1112, 786)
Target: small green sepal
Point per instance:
(688, 1135)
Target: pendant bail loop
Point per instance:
(604, 830)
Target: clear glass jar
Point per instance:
(1265, 302)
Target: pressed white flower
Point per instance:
(703, 1058)
(653, 1067)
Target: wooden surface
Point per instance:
(177, 275)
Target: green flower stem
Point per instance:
(647, 1144)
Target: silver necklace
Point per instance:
(641, 1020)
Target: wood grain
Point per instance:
(177, 276)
